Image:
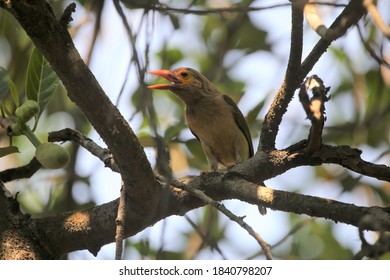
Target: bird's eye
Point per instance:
(184, 74)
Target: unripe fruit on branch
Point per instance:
(26, 111)
(51, 155)
(14, 130)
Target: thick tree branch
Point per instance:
(17, 239)
(292, 80)
(277, 162)
(350, 158)
(95, 227)
(25, 171)
(312, 206)
(51, 37)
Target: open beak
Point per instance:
(168, 75)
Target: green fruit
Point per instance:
(26, 111)
(14, 130)
(51, 155)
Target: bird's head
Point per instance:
(186, 83)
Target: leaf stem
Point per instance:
(25, 130)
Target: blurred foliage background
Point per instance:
(245, 55)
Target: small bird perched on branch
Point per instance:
(212, 117)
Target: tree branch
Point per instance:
(69, 134)
(315, 110)
(163, 8)
(380, 60)
(95, 227)
(17, 238)
(120, 224)
(25, 171)
(372, 9)
(315, 22)
(53, 40)
(293, 78)
(380, 247)
(92, 228)
(352, 13)
(350, 158)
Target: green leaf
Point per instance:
(41, 80)
(170, 56)
(6, 85)
(174, 130)
(174, 20)
(246, 36)
(50, 83)
(5, 151)
(146, 140)
(3, 83)
(14, 92)
(254, 112)
(198, 160)
(34, 75)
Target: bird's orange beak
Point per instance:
(168, 75)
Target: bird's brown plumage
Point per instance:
(212, 117)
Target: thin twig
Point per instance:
(120, 224)
(370, 50)
(204, 237)
(97, 7)
(162, 151)
(69, 134)
(348, 17)
(291, 232)
(239, 220)
(372, 9)
(231, 9)
(315, 22)
(382, 244)
(132, 39)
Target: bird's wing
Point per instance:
(240, 121)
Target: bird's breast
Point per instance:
(213, 123)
